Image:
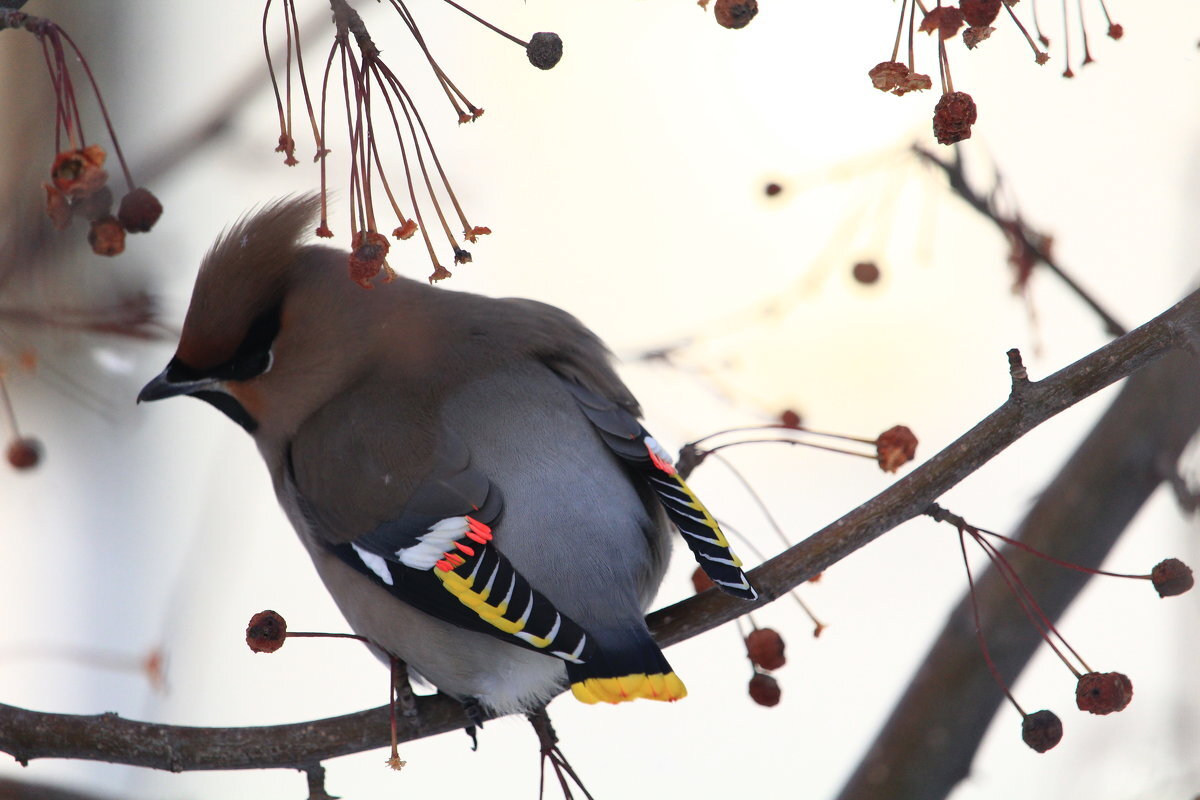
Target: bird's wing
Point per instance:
(626, 437)
(438, 556)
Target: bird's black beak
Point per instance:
(176, 380)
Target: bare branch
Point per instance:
(1038, 401)
(29, 734)
(952, 698)
(1015, 227)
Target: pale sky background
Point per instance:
(626, 186)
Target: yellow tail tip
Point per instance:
(664, 686)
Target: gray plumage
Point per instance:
(375, 409)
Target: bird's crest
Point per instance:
(242, 276)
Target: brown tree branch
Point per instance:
(29, 734)
(928, 743)
(1030, 404)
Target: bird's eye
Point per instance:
(253, 356)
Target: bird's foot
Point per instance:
(548, 745)
(475, 713)
(406, 699)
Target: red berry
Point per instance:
(107, 237)
(764, 690)
(895, 447)
(979, 12)
(1171, 577)
(1041, 730)
(24, 453)
(953, 117)
(866, 272)
(266, 632)
(139, 210)
(1103, 692)
(367, 257)
(765, 648)
(735, 13)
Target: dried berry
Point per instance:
(1171, 577)
(946, 20)
(979, 13)
(266, 632)
(1116, 31)
(474, 233)
(1041, 730)
(406, 230)
(973, 36)
(78, 173)
(139, 210)
(886, 76)
(369, 249)
(1103, 692)
(57, 207)
(953, 117)
(107, 237)
(790, 419)
(735, 13)
(866, 272)
(894, 77)
(700, 581)
(24, 453)
(895, 447)
(772, 189)
(462, 256)
(915, 82)
(764, 690)
(765, 648)
(545, 50)
(287, 146)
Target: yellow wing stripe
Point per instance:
(460, 587)
(664, 686)
(708, 520)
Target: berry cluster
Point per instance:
(377, 105)
(78, 181)
(955, 111)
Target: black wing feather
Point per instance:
(633, 444)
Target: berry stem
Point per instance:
(794, 442)
(1067, 73)
(320, 635)
(1038, 55)
(987, 656)
(1087, 51)
(507, 35)
(9, 413)
(899, 31)
(112, 134)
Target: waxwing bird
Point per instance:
(468, 474)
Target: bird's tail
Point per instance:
(627, 665)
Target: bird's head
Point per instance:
(265, 306)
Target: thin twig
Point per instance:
(985, 206)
